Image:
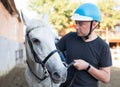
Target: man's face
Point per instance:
(82, 27)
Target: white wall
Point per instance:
(9, 55)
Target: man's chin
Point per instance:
(79, 34)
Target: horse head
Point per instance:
(41, 50)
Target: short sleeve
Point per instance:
(106, 59)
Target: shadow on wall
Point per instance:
(11, 8)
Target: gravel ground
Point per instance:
(15, 78)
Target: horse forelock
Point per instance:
(34, 23)
(43, 26)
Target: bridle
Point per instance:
(39, 61)
(36, 57)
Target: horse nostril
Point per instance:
(56, 75)
(59, 77)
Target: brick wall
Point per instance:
(9, 25)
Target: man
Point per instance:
(90, 53)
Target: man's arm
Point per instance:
(102, 74)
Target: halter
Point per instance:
(36, 57)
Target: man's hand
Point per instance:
(80, 64)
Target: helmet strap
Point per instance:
(87, 36)
(91, 29)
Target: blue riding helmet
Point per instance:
(87, 12)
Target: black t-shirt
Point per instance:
(95, 52)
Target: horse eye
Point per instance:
(35, 40)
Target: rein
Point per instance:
(72, 79)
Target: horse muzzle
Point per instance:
(59, 77)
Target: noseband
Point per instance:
(36, 57)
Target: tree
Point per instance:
(110, 15)
(59, 11)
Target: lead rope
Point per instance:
(69, 65)
(73, 79)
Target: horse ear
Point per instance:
(25, 19)
(45, 18)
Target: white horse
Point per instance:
(45, 68)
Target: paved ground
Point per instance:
(115, 74)
(15, 78)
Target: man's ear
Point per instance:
(96, 24)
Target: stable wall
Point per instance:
(11, 40)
